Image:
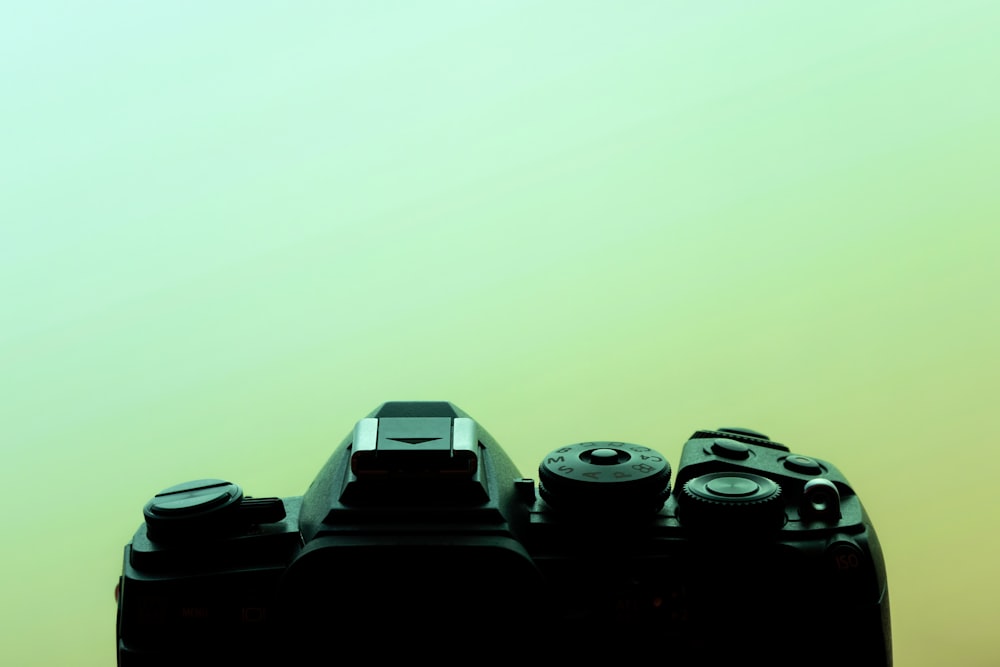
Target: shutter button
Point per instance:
(728, 448)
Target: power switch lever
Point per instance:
(821, 500)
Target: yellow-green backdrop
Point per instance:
(230, 229)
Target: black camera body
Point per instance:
(419, 538)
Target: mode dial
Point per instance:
(604, 476)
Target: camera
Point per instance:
(419, 538)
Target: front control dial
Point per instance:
(731, 499)
(604, 476)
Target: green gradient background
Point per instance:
(228, 232)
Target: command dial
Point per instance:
(731, 499)
(604, 476)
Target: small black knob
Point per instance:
(820, 501)
(802, 464)
(604, 477)
(191, 508)
(728, 448)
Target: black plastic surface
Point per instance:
(756, 556)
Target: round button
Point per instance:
(803, 464)
(604, 476)
(604, 457)
(731, 500)
(728, 448)
(732, 487)
(851, 569)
